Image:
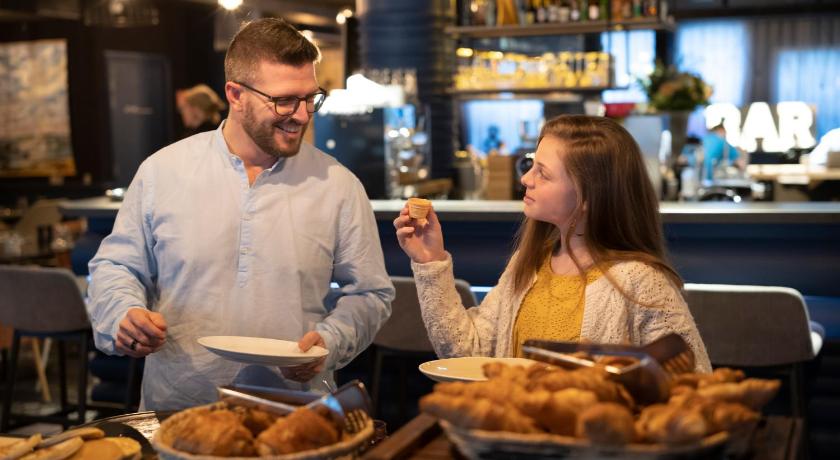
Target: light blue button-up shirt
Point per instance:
(217, 256)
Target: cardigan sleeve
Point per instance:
(660, 309)
(453, 330)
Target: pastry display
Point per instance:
(228, 430)
(585, 404)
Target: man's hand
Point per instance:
(305, 372)
(141, 333)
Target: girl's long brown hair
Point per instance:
(622, 210)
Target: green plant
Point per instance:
(669, 89)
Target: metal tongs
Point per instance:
(349, 406)
(648, 379)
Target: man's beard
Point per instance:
(263, 134)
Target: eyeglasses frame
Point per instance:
(274, 99)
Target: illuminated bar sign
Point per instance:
(791, 126)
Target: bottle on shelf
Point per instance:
(530, 11)
(565, 12)
(594, 10)
(575, 15)
(542, 13)
(651, 8)
(637, 8)
(553, 11)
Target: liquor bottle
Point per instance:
(529, 7)
(605, 9)
(651, 9)
(575, 15)
(594, 10)
(554, 11)
(637, 8)
(542, 14)
(626, 9)
(616, 9)
(565, 12)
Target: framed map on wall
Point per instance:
(34, 115)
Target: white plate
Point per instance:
(259, 350)
(465, 369)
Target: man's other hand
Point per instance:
(142, 332)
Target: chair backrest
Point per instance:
(37, 299)
(751, 325)
(405, 330)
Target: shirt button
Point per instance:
(243, 251)
(246, 216)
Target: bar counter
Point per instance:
(763, 243)
(511, 211)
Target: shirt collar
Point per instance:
(222, 148)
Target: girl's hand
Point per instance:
(422, 243)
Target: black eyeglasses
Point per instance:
(287, 105)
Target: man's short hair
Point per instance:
(268, 39)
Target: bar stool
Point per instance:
(44, 303)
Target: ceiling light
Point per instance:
(342, 15)
(230, 4)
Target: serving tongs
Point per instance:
(349, 406)
(648, 379)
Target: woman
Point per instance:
(589, 262)
(200, 109)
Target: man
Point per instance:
(716, 151)
(240, 232)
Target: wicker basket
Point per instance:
(162, 442)
(477, 444)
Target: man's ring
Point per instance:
(133, 345)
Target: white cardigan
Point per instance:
(608, 316)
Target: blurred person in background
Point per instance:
(718, 153)
(200, 108)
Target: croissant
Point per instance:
(497, 370)
(556, 412)
(592, 379)
(301, 430)
(606, 423)
(497, 390)
(731, 416)
(479, 414)
(255, 420)
(720, 375)
(753, 393)
(218, 432)
(671, 424)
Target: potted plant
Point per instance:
(676, 94)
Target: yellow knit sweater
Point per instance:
(552, 309)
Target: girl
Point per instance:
(589, 262)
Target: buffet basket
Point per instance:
(346, 447)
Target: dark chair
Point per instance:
(404, 334)
(44, 303)
(757, 327)
(118, 382)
